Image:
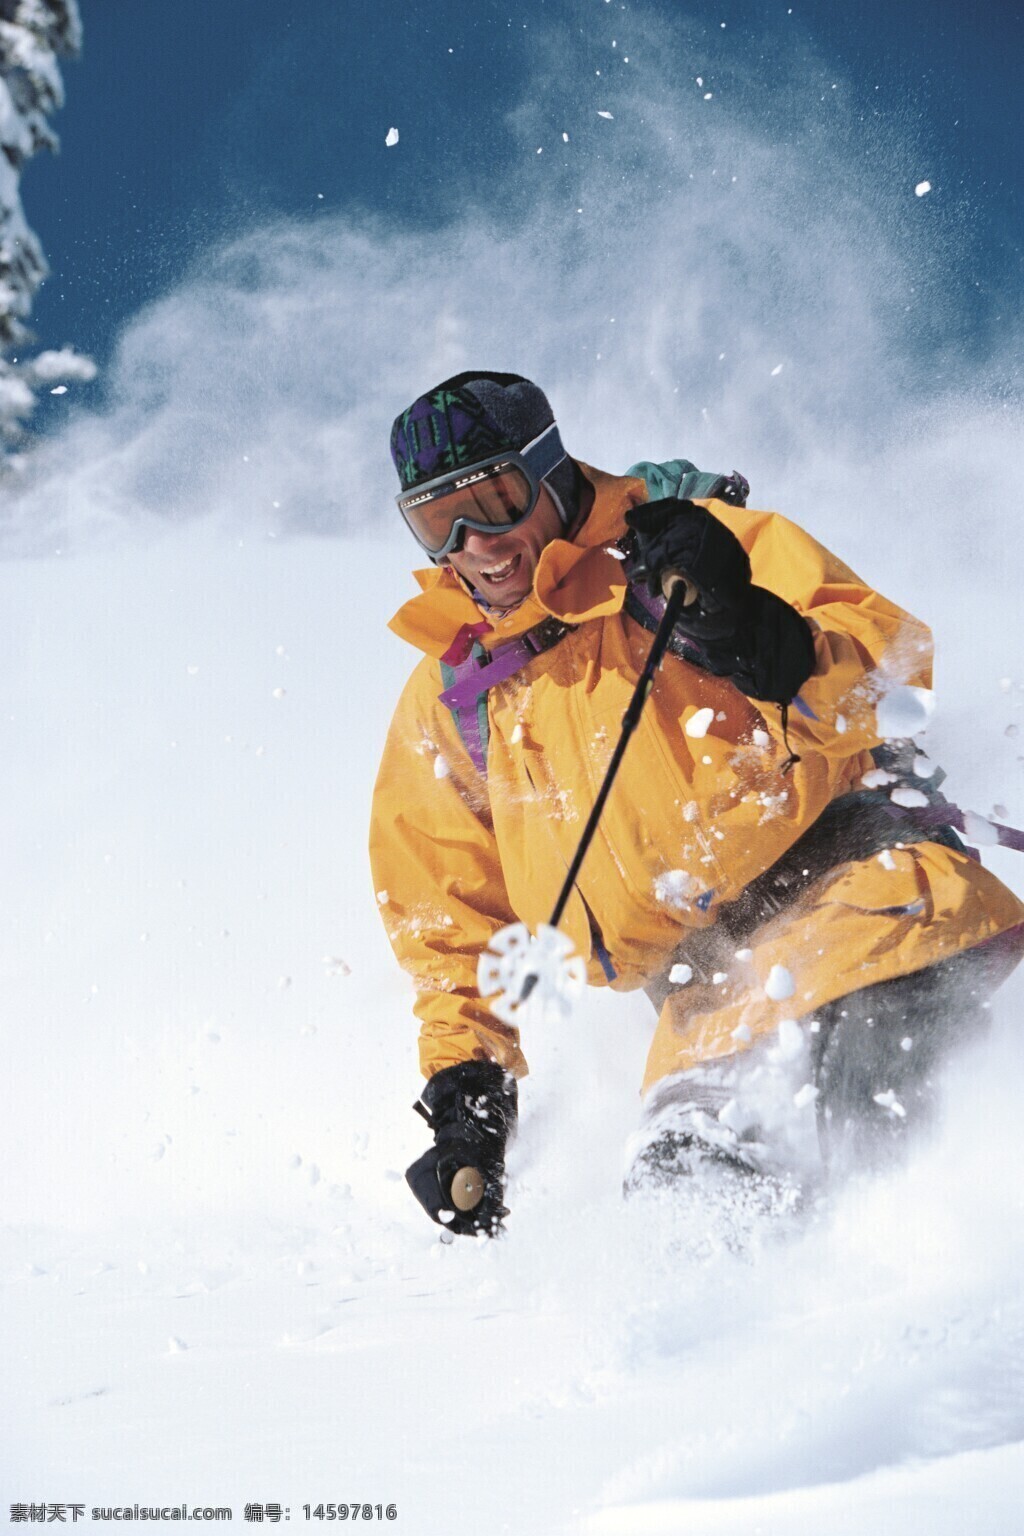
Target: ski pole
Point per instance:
(468, 1184)
(680, 590)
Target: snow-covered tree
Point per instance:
(33, 35)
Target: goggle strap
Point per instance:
(544, 452)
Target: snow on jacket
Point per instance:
(700, 808)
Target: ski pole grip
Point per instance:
(467, 1189)
(672, 581)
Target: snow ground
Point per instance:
(216, 1287)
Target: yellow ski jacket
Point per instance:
(700, 808)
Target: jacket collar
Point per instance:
(576, 579)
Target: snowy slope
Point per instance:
(216, 1288)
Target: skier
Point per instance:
(767, 866)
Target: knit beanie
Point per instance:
(471, 417)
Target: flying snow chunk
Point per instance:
(777, 370)
(441, 768)
(780, 984)
(904, 711)
(392, 138)
(733, 1117)
(922, 189)
(61, 389)
(979, 830)
(805, 1095)
(675, 887)
(888, 1100)
(697, 725)
(791, 1039)
(743, 1034)
(607, 115)
(908, 797)
(679, 975)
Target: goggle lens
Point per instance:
(499, 496)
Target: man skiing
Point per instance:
(767, 866)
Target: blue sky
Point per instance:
(192, 122)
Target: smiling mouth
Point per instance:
(498, 575)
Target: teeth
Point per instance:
(495, 571)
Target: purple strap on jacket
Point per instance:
(947, 814)
(469, 725)
(475, 676)
(472, 679)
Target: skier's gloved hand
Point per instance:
(471, 1109)
(771, 654)
(679, 538)
(742, 632)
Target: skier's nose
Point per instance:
(477, 544)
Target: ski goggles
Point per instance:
(498, 492)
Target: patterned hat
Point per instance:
(466, 419)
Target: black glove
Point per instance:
(678, 537)
(741, 632)
(471, 1109)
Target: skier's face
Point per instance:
(500, 565)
